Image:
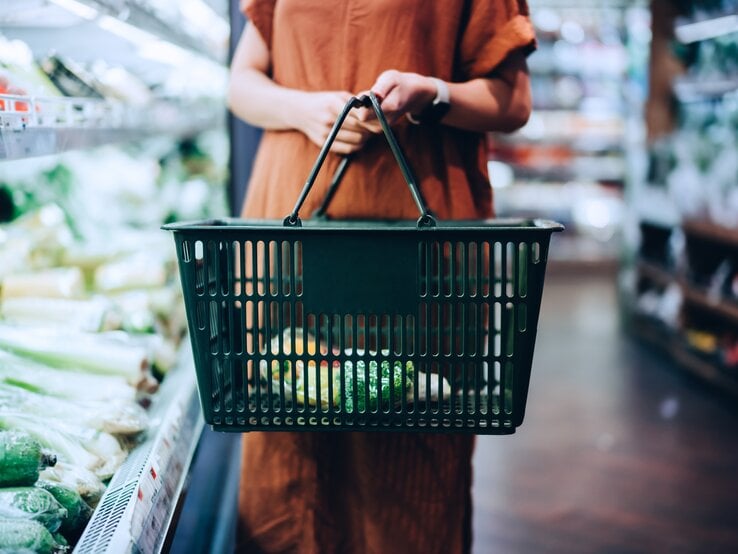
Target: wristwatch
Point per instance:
(435, 111)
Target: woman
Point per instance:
(446, 73)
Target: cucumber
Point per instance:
(25, 535)
(78, 511)
(61, 540)
(32, 503)
(21, 458)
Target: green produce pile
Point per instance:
(380, 383)
(376, 385)
(36, 514)
(87, 332)
(91, 319)
(361, 394)
(81, 346)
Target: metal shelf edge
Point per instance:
(137, 509)
(44, 141)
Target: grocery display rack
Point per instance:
(37, 126)
(139, 509)
(139, 504)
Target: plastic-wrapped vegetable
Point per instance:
(87, 484)
(78, 511)
(381, 382)
(32, 503)
(67, 447)
(112, 416)
(22, 535)
(21, 459)
(36, 377)
(92, 449)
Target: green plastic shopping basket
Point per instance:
(363, 325)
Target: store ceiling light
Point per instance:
(78, 8)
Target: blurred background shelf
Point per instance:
(712, 232)
(42, 126)
(691, 89)
(669, 343)
(705, 27)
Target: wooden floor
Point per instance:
(619, 452)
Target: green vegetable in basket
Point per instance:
(21, 459)
(32, 503)
(19, 535)
(78, 511)
(379, 380)
(379, 383)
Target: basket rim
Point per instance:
(377, 225)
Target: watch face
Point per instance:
(434, 113)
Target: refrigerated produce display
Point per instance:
(99, 417)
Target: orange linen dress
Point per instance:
(370, 492)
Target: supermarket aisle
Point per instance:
(618, 453)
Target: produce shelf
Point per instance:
(720, 306)
(140, 504)
(33, 126)
(711, 231)
(655, 273)
(655, 334)
(689, 89)
(693, 295)
(694, 30)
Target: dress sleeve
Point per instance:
(261, 14)
(493, 29)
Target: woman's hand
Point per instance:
(317, 115)
(399, 93)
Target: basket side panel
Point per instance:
(360, 273)
(428, 331)
(191, 271)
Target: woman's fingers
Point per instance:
(384, 84)
(351, 137)
(349, 141)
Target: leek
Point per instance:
(132, 272)
(80, 315)
(100, 444)
(112, 416)
(42, 379)
(58, 282)
(93, 352)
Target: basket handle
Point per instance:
(366, 101)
